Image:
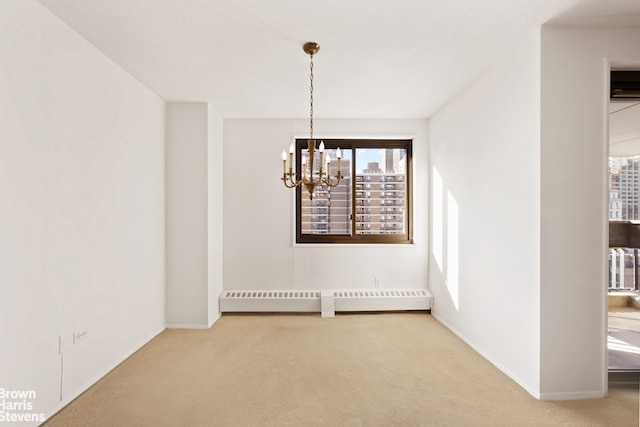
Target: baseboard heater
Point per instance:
(325, 302)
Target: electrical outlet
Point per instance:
(376, 282)
(65, 342)
(80, 336)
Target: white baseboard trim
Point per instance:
(210, 323)
(94, 379)
(188, 326)
(214, 319)
(529, 389)
(570, 395)
(574, 395)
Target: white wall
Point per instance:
(485, 256)
(259, 213)
(81, 208)
(214, 194)
(194, 214)
(521, 155)
(574, 204)
(186, 223)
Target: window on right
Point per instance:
(372, 204)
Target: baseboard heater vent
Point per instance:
(270, 301)
(362, 300)
(333, 300)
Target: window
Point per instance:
(623, 188)
(376, 178)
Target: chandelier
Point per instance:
(312, 175)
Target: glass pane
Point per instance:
(381, 190)
(624, 189)
(624, 186)
(330, 210)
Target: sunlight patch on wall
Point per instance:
(438, 214)
(453, 253)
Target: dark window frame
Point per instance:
(354, 238)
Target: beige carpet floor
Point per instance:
(391, 369)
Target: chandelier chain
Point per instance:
(311, 99)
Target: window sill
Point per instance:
(355, 245)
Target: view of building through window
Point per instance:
(372, 200)
(379, 197)
(330, 210)
(624, 205)
(624, 184)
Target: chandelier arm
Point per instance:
(338, 181)
(290, 181)
(285, 180)
(329, 183)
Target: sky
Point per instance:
(364, 156)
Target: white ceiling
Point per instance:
(378, 58)
(624, 129)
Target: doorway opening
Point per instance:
(623, 334)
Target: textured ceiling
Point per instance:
(378, 58)
(624, 129)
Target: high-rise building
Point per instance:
(330, 210)
(624, 188)
(393, 160)
(379, 201)
(380, 198)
